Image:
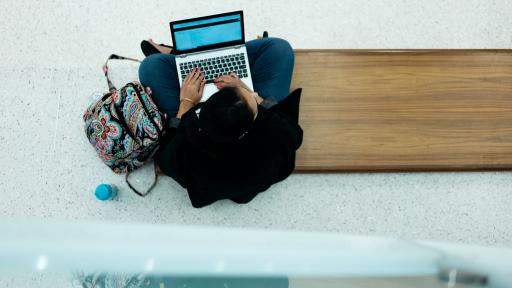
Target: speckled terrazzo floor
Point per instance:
(52, 52)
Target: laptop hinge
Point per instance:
(212, 50)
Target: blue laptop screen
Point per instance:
(199, 33)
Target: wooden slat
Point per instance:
(407, 110)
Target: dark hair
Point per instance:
(225, 117)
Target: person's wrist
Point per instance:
(242, 85)
(184, 107)
(188, 100)
(186, 104)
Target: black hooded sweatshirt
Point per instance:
(266, 155)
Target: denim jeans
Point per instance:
(270, 59)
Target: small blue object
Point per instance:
(105, 192)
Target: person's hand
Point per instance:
(231, 80)
(192, 87)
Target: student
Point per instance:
(241, 142)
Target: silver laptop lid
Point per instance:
(209, 32)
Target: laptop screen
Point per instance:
(208, 32)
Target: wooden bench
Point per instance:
(406, 110)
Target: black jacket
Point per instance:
(266, 155)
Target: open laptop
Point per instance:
(216, 44)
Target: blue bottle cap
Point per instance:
(103, 192)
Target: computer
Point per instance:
(215, 44)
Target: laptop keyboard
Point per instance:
(216, 66)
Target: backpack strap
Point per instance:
(111, 86)
(112, 89)
(147, 190)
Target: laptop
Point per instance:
(216, 44)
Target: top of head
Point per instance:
(225, 116)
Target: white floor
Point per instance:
(52, 53)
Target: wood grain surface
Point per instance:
(404, 110)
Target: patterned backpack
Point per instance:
(124, 126)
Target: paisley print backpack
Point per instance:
(124, 126)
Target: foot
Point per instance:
(265, 35)
(162, 49)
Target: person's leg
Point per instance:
(271, 61)
(149, 47)
(158, 71)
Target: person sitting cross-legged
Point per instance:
(240, 141)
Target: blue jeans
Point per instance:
(270, 59)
